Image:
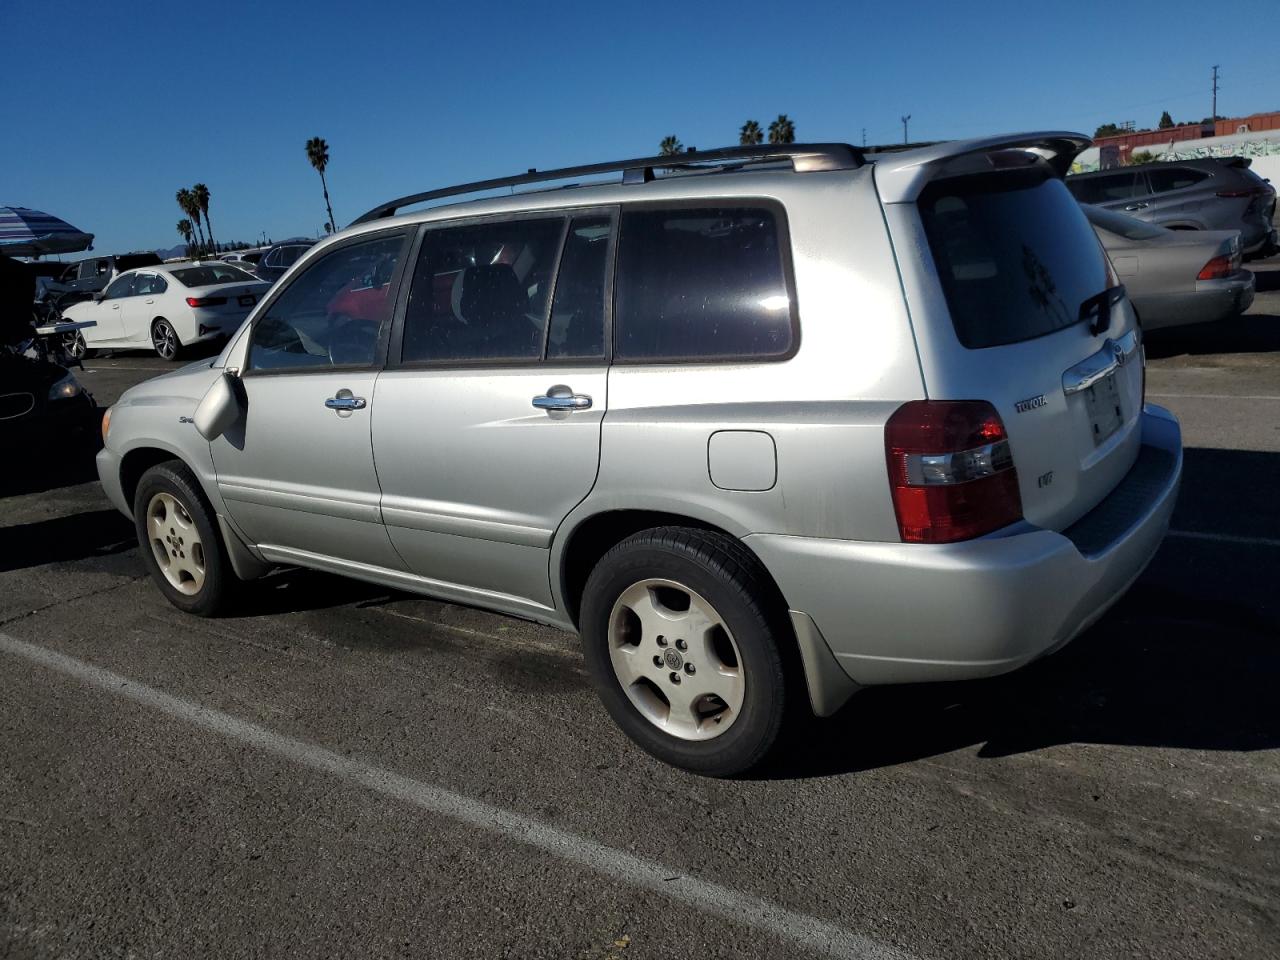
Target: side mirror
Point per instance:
(221, 407)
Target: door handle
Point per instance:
(150, 301)
(1136, 206)
(561, 397)
(346, 403)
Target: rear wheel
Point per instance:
(180, 542)
(680, 633)
(165, 339)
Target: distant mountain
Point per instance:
(179, 251)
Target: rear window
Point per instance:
(211, 274)
(1173, 178)
(702, 283)
(1015, 255)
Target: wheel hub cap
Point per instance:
(176, 543)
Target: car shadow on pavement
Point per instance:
(58, 462)
(1188, 658)
(1250, 333)
(66, 538)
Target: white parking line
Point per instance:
(1210, 396)
(711, 898)
(1226, 538)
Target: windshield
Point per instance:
(1123, 226)
(1014, 252)
(211, 274)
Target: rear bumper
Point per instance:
(1213, 300)
(905, 613)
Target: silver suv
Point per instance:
(764, 425)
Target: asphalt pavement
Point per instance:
(346, 771)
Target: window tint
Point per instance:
(1014, 252)
(331, 313)
(211, 274)
(289, 255)
(480, 291)
(119, 287)
(1117, 186)
(577, 312)
(1173, 178)
(149, 283)
(91, 269)
(700, 283)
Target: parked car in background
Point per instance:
(1175, 277)
(279, 257)
(82, 279)
(40, 403)
(789, 421)
(1209, 194)
(167, 308)
(248, 257)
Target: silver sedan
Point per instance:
(1175, 277)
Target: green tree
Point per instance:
(318, 155)
(1107, 130)
(187, 202)
(1166, 121)
(1141, 156)
(200, 194)
(750, 134)
(782, 130)
(670, 146)
(186, 232)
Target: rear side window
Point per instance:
(289, 255)
(1108, 189)
(1015, 255)
(702, 283)
(1174, 178)
(480, 291)
(577, 311)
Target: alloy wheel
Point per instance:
(165, 339)
(676, 660)
(176, 543)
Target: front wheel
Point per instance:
(181, 546)
(75, 346)
(681, 635)
(165, 340)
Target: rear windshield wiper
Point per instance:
(1099, 306)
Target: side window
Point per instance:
(120, 287)
(577, 311)
(288, 256)
(480, 291)
(149, 283)
(272, 259)
(331, 313)
(701, 283)
(1121, 187)
(1174, 178)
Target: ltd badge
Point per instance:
(1031, 403)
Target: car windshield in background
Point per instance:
(1123, 226)
(211, 274)
(1015, 254)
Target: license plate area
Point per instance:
(1102, 400)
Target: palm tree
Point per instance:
(200, 195)
(318, 154)
(670, 146)
(185, 230)
(782, 130)
(750, 134)
(186, 201)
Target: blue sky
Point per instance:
(104, 117)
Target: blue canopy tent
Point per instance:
(32, 233)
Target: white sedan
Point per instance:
(166, 308)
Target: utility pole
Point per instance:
(905, 139)
(1215, 93)
(864, 136)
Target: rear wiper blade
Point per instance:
(1099, 305)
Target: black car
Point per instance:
(41, 402)
(279, 257)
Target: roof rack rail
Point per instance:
(804, 157)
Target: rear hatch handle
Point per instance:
(1113, 355)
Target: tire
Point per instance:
(195, 574)
(75, 346)
(650, 571)
(165, 339)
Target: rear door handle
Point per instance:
(561, 397)
(346, 403)
(1136, 206)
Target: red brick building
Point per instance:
(1127, 143)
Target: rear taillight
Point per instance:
(1216, 269)
(950, 470)
(1251, 192)
(206, 301)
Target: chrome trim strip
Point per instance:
(1113, 355)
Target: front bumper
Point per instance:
(905, 613)
(109, 475)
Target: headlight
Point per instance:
(66, 388)
(106, 423)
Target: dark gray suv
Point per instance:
(1209, 194)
